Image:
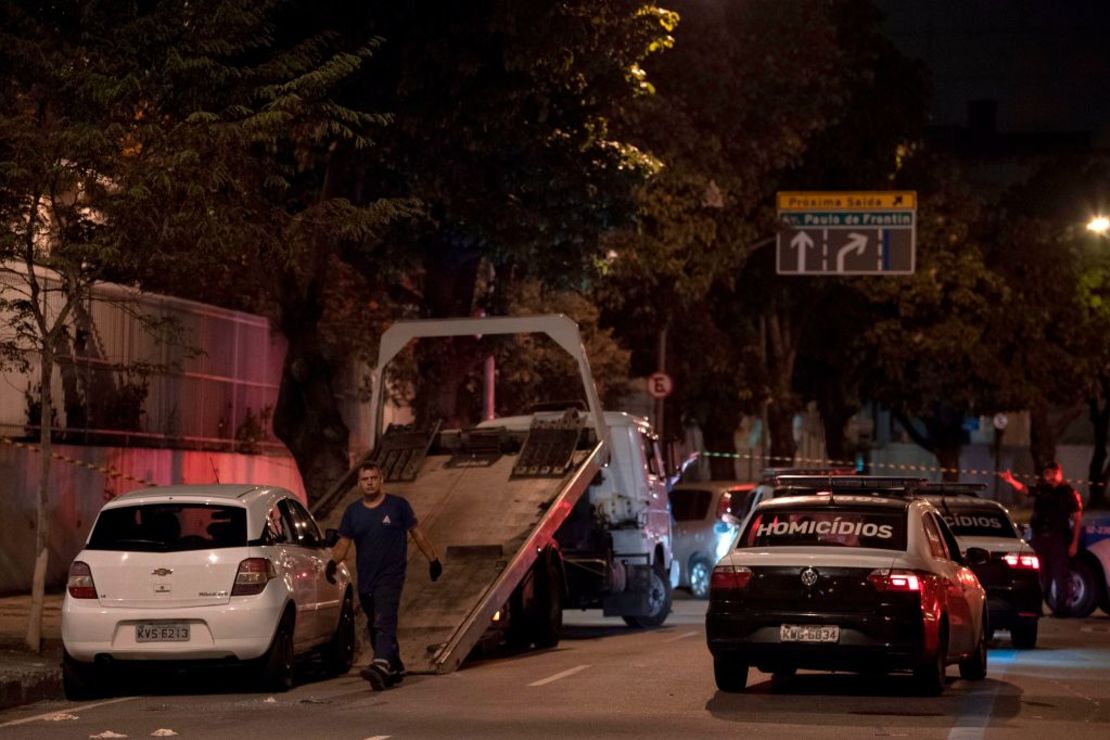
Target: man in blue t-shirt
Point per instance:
(379, 525)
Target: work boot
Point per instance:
(377, 674)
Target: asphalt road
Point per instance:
(605, 680)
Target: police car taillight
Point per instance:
(253, 575)
(729, 578)
(1022, 562)
(80, 583)
(885, 579)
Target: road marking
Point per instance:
(47, 715)
(977, 710)
(557, 676)
(683, 636)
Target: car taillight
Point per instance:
(729, 578)
(1022, 562)
(80, 583)
(253, 575)
(885, 579)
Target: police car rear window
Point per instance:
(981, 523)
(169, 528)
(827, 527)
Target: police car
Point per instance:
(847, 577)
(1012, 575)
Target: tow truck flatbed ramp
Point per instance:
(487, 525)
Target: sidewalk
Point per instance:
(24, 676)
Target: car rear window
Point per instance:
(979, 523)
(169, 528)
(688, 504)
(826, 527)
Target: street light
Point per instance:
(1099, 224)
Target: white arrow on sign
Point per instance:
(801, 242)
(857, 242)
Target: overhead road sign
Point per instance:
(846, 233)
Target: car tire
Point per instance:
(1023, 634)
(974, 666)
(730, 672)
(930, 673)
(1085, 591)
(660, 601)
(700, 571)
(276, 667)
(79, 680)
(339, 653)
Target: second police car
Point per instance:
(851, 574)
(1011, 576)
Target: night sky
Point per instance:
(1046, 62)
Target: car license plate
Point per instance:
(809, 633)
(162, 632)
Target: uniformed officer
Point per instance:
(379, 525)
(1057, 515)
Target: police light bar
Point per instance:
(777, 474)
(877, 484)
(952, 489)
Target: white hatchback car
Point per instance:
(219, 574)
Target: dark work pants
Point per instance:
(1052, 549)
(381, 605)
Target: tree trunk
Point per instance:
(42, 521)
(780, 354)
(1100, 420)
(718, 439)
(835, 413)
(1042, 440)
(307, 417)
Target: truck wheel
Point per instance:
(1085, 590)
(545, 618)
(730, 672)
(1023, 634)
(699, 578)
(659, 603)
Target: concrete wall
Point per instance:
(77, 493)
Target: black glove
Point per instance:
(435, 569)
(330, 571)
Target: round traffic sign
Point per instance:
(660, 385)
(1000, 421)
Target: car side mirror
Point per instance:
(331, 537)
(977, 556)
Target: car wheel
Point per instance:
(276, 666)
(79, 680)
(1084, 590)
(1023, 634)
(930, 672)
(699, 578)
(339, 654)
(730, 672)
(974, 666)
(659, 602)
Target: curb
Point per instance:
(28, 685)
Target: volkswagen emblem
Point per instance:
(809, 577)
(161, 572)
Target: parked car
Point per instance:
(862, 580)
(227, 574)
(1012, 575)
(703, 529)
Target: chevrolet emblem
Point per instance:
(162, 572)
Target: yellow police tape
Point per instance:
(108, 471)
(819, 462)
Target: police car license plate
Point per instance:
(809, 633)
(162, 632)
